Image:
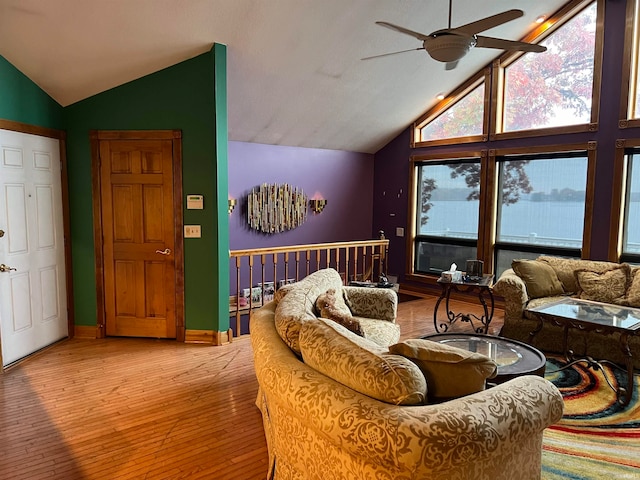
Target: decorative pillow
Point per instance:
(450, 371)
(326, 308)
(540, 279)
(633, 291)
(282, 291)
(360, 364)
(606, 287)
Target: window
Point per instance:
(541, 206)
(447, 214)
(631, 223)
(553, 88)
(462, 115)
(630, 107)
(462, 119)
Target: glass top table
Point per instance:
(603, 314)
(512, 357)
(596, 317)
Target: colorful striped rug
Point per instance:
(596, 438)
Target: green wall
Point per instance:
(21, 100)
(179, 97)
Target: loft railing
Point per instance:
(256, 274)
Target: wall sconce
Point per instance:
(232, 204)
(317, 205)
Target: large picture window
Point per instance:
(631, 223)
(554, 88)
(447, 214)
(541, 206)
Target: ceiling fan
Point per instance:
(451, 44)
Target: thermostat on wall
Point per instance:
(195, 202)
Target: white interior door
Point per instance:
(33, 300)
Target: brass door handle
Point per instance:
(5, 268)
(166, 251)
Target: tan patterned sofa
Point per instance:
(319, 425)
(601, 281)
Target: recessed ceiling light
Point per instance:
(541, 19)
(440, 96)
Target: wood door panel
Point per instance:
(155, 274)
(138, 225)
(153, 225)
(125, 288)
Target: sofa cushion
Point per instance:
(632, 296)
(327, 307)
(540, 278)
(450, 371)
(609, 286)
(565, 269)
(298, 305)
(361, 364)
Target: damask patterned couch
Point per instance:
(547, 279)
(336, 405)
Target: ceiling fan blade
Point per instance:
(406, 31)
(451, 65)
(500, 43)
(392, 53)
(489, 22)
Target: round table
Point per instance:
(513, 358)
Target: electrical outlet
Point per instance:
(192, 231)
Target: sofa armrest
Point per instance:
(378, 303)
(514, 291)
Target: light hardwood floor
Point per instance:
(122, 408)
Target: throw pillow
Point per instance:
(360, 364)
(450, 371)
(540, 279)
(326, 308)
(606, 287)
(633, 291)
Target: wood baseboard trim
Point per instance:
(85, 331)
(209, 337)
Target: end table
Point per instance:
(482, 286)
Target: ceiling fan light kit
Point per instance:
(448, 48)
(451, 44)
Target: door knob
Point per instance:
(166, 251)
(5, 268)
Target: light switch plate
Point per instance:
(192, 231)
(399, 232)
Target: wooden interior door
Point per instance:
(138, 236)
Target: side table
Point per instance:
(483, 287)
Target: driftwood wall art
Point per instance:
(273, 208)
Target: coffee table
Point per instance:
(513, 358)
(601, 318)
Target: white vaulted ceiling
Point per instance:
(295, 74)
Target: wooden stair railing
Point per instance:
(255, 274)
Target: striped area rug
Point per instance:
(596, 438)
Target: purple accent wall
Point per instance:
(392, 162)
(344, 179)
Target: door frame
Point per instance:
(61, 136)
(176, 138)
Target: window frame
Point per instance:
(630, 66)
(497, 155)
(618, 201)
(484, 76)
(551, 25)
(413, 237)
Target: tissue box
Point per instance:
(450, 276)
